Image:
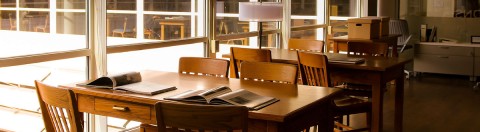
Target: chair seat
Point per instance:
(347, 104)
(356, 89)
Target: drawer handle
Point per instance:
(446, 57)
(119, 108)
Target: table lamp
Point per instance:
(260, 12)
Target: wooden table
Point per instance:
(341, 42)
(299, 106)
(376, 71)
(172, 22)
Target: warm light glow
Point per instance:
(260, 12)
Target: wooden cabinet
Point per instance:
(447, 58)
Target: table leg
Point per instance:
(182, 31)
(335, 47)
(399, 88)
(162, 31)
(377, 104)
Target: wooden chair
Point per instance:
(12, 22)
(203, 66)
(192, 117)
(122, 31)
(239, 55)
(305, 45)
(43, 27)
(59, 109)
(368, 49)
(270, 72)
(314, 71)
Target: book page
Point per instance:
(212, 93)
(246, 98)
(147, 88)
(190, 95)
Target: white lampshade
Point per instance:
(260, 12)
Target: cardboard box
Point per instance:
(363, 28)
(384, 24)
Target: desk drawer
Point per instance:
(443, 50)
(459, 65)
(121, 109)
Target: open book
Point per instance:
(346, 60)
(131, 82)
(225, 96)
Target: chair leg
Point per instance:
(369, 119)
(348, 120)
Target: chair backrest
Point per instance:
(399, 26)
(314, 69)
(203, 66)
(12, 21)
(200, 117)
(125, 24)
(59, 109)
(269, 72)
(368, 49)
(305, 45)
(46, 21)
(239, 55)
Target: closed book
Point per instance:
(423, 33)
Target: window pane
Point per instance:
(8, 3)
(303, 22)
(168, 5)
(347, 8)
(161, 59)
(229, 6)
(121, 5)
(71, 23)
(17, 83)
(34, 3)
(162, 20)
(71, 4)
(304, 7)
(121, 25)
(166, 27)
(34, 21)
(231, 25)
(305, 34)
(9, 20)
(340, 28)
(35, 36)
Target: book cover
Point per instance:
(346, 60)
(433, 34)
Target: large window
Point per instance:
(65, 41)
(340, 11)
(304, 13)
(39, 42)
